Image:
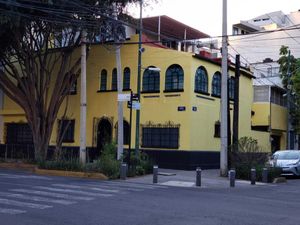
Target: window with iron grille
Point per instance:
(103, 80)
(126, 79)
(231, 85)
(217, 130)
(114, 80)
(174, 78)
(66, 130)
(160, 137)
(216, 84)
(201, 80)
(18, 133)
(151, 81)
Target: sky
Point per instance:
(206, 16)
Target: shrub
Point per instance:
(249, 155)
(67, 165)
(139, 165)
(108, 164)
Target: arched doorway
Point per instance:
(104, 134)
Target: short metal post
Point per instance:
(232, 178)
(265, 175)
(123, 171)
(253, 176)
(198, 177)
(155, 174)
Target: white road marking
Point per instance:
(179, 183)
(23, 204)
(14, 176)
(85, 187)
(73, 191)
(115, 187)
(51, 194)
(11, 211)
(36, 198)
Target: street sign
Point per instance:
(123, 97)
(136, 105)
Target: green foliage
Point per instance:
(140, 165)
(290, 74)
(108, 164)
(66, 165)
(249, 155)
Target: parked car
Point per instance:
(287, 160)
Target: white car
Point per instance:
(288, 161)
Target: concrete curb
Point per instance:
(279, 180)
(70, 174)
(35, 169)
(18, 165)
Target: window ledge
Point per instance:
(216, 96)
(174, 90)
(202, 92)
(100, 91)
(150, 92)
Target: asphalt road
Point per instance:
(29, 199)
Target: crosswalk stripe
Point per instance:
(115, 187)
(15, 176)
(74, 191)
(23, 204)
(51, 194)
(36, 198)
(85, 187)
(11, 211)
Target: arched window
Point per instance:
(126, 132)
(216, 84)
(103, 80)
(174, 78)
(231, 85)
(114, 80)
(201, 80)
(126, 79)
(151, 80)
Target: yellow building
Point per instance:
(180, 107)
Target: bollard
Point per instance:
(265, 175)
(253, 176)
(123, 171)
(155, 174)
(232, 178)
(198, 177)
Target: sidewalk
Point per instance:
(181, 178)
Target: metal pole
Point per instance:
(155, 174)
(265, 175)
(120, 90)
(224, 100)
(83, 100)
(123, 171)
(137, 126)
(235, 135)
(253, 176)
(232, 178)
(288, 133)
(130, 126)
(198, 177)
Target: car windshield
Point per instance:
(287, 155)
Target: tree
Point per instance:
(290, 74)
(38, 55)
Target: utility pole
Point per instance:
(120, 90)
(288, 132)
(137, 125)
(224, 100)
(235, 135)
(83, 100)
